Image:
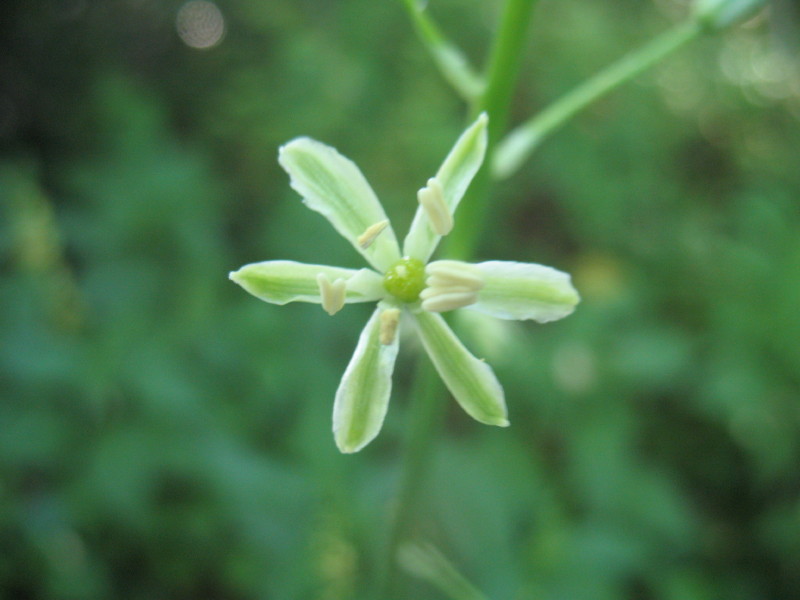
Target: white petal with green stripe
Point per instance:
(454, 175)
(282, 281)
(333, 185)
(514, 290)
(471, 381)
(363, 395)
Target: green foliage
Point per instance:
(164, 435)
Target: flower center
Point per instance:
(405, 279)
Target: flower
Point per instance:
(404, 283)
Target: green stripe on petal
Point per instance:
(333, 185)
(363, 395)
(471, 381)
(454, 175)
(282, 281)
(522, 291)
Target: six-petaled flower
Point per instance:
(404, 283)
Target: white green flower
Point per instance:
(404, 283)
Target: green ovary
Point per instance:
(405, 279)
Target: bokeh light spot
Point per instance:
(200, 24)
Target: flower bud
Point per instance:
(715, 15)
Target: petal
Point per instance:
(335, 187)
(282, 281)
(454, 175)
(363, 395)
(471, 381)
(514, 290)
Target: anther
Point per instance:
(432, 292)
(333, 294)
(390, 319)
(450, 284)
(454, 272)
(449, 301)
(431, 197)
(370, 233)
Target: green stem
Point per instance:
(504, 63)
(504, 66)
(519, 144)
(425, 414)
(427, 563)
(451, 62)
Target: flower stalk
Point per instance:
(449, 59)
(504, 64)
(514, 149)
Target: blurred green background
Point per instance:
(164, 435)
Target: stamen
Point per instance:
(450, 284)
(454, 272)
(390, 319)
(449, 301)
(431, 292)
(440, 282)
(333, 294)
(370, 233)
(431, 197)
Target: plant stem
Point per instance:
(518, 145)
(427, 563)
(504, 66)
(504, 63)
(451, 62)
(425, 414)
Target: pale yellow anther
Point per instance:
(333, 294)
(443, 302)
(432, 292)
(454, 272)
(439, 282)
(370, 233)
(390, 319)
(431, 198)
(450, 284)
